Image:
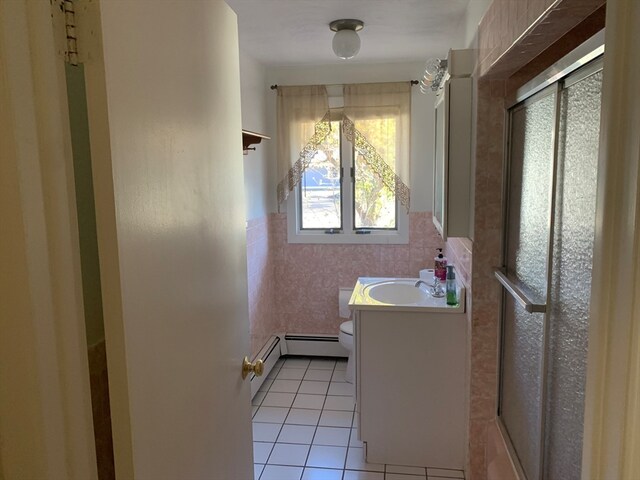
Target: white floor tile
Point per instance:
(353, 440)
(261, 451)
(291, 374)
(359, 475)
(298, 416)
(266, 432)
(258, 397)
(355, 461)
(328, 457)
(277, 472)
(304, 400)
(332, 418)
(297, 434)
(338, 388)
(407, 470)
(296, 363)
(275, 399)
(314, 387)
(322, 364)
(400, 476)
(321, 474)
(445, 472)
(271, 414)
(267, 383)
(288, 454)
(339, 376)
(333, 436)
(335, 402)
(257, 470)
(321, 375)
(285, 386)
(341, 364)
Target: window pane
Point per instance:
(320, 193)
(374, 203)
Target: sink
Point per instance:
(395, 292)
(400, 295)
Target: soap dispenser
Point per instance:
(452, 293)
(440, 266)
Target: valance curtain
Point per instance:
(303, 123)
(377, 120)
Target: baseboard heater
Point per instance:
(269, 354)
(294, 344)
(314, 345)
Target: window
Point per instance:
(341, 198)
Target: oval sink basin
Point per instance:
(395, 292)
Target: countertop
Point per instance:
(360, 300)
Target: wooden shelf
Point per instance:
(251, 138)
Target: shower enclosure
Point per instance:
(550, 192)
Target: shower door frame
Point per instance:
(579, 64)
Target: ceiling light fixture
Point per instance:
(346, 42)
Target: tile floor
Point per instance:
(304, 428)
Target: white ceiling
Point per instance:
(296, 32)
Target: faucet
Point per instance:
(436, 290)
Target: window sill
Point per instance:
(373, 238)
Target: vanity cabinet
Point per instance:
(411, 386)
(452, 154)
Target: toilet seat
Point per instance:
(347, 327)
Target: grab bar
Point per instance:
(526, 303)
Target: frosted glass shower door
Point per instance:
(550, 215)
(570, 287)
(526, 261)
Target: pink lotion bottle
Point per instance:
(440, 266)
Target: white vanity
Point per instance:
(411, 383)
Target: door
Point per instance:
(163, 93)
(550, 223)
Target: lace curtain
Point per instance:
(303, 123)
(377, 120)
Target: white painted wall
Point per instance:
(422, 118)
(475, 11)
(259, 167)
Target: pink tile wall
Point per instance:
(293, 288)
(513, 32)
(263, 322)
(486, 255)
(307, 277)
(459, 253)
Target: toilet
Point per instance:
(345, 337)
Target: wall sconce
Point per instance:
(434, 72)
(346, 42)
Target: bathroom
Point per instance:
(293, 287)
(277, 296)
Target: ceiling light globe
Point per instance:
(346, 43)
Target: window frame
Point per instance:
(347, 235)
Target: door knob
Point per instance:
(256, 367)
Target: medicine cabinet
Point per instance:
(452, 160)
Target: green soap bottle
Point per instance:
(452, 293)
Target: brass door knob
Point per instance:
(256, 367)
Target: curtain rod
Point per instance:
(275, 87)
